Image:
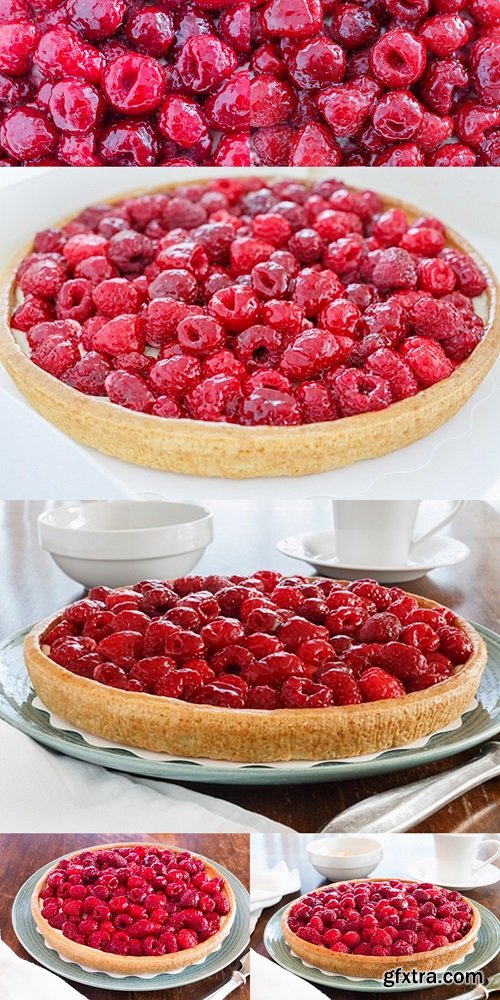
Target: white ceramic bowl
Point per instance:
(344, 857)
(114, 543)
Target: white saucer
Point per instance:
(426, 871)
(318, 548)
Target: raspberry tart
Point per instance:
(257, 668)
(364, 928)
(134, 909)
(248, 327)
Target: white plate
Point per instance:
(426, 871)
(318, 548)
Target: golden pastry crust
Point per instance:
(374, 966)
(231, 451)
(171, 726)
(102, 961)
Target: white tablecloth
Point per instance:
(46, 791)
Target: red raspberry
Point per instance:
(56, 354)
(299, 692)
(455, 644)
(427, 360)
(382, 627)
(403, 661)
(375, 684)
(342, 684)
(420, 635)
(356, 392)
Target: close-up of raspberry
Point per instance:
(272, 82)
(376, 82)
(124, 83)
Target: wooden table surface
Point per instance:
(23, 854)
(32, 587)
(400, 850)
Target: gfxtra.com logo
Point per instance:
(398, 977)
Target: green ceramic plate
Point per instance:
(485, 949)
(27, 933)
(16, 708)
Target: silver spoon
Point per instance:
(402, 808)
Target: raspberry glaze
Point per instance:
(248, 302)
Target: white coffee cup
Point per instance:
(456, 855)
(379, 533)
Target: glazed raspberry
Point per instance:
(27, 134)
(204, 62)
(97, 19)
(151, 29)
(291, 18)
(314, 144)
(398, 116)
(56, 354)
(316, 63)
(343, 685)
(271, 101)
(375, 684)
(427, 360)
(355, 392)
(398, 59)
(134, 84)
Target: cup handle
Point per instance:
(482, 864)
(455, 509)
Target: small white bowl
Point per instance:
(114, 543)
(343, 857)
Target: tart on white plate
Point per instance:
(255, 669)
(366, 927)
(245, 327)
(134, 909)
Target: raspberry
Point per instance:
(382, 627)
(56, 354)
(291, 18)
(394, 268)
(454, 644)
(395, 371)
(356, 392)
(343, 686)
(375, 684)
(427, 360)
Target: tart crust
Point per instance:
(171, 726)
(126, 965)
(231, 451)
(374, 966)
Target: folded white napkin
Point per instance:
(268, 885)
(20, 980)
(270, 980)
(44, 790)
